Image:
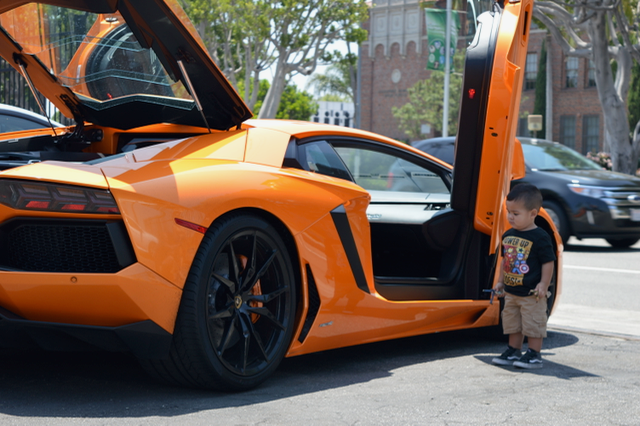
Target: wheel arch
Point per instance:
(555, 198)
(544, 222)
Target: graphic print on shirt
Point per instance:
(516, 253)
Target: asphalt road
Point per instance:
(591, 376)
(601, 291)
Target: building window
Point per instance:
(590, 134)
(531, 71)
(523, 127)
(568, 130)
(591, 74)
(571, 70)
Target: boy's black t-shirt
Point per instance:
(524, 253)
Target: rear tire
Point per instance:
(237, 313)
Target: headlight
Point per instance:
(30, 195)
(587, 191)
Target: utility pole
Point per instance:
(447, 72)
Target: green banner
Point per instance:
(436, 35)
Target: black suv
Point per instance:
(582, 199)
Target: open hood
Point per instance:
(118, 63)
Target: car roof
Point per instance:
(25, 113)
(449, 140)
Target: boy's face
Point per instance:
(519, 217)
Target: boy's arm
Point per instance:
(545, 280)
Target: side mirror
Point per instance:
(518, 169)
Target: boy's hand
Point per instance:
(540, 290)
(499, 289)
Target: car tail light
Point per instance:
(28, 195)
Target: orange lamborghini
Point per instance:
(167, 223)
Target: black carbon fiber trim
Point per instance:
(145, 339)
(63, 245)
(339, 216)
(314, 305)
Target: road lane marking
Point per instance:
(592, 268)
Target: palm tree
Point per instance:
(339, 79)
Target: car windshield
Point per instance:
(550, 157)
(95, 55)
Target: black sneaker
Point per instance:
(508, 357)
(531, 359)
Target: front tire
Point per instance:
(559, 218)
(622, 243)
(237, 313)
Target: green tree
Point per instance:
(333, 97)
(426, 103)
(236, 34)
(295, 104)
(341, 77)
(605, 32)
(247, 37)
(302, 34)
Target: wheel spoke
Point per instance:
(226, 281)
(234, 272)
(250, 268)
(266, 298)
(263, 269)
(264, 312)
(266, 265)
(247, 339)
(228, 333)
(258, 340)
(224, 313)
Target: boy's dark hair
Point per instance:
(529, 194)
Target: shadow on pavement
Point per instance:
(550, 369)
(99, 384)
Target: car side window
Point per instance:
(381, 171)
(317, 157)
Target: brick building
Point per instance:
(394, 58)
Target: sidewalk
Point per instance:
(625, 324)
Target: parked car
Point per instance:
(210, 245)
(583, 199)
(14, 119)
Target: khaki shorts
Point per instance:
(525, 315)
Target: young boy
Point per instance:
(525, 276)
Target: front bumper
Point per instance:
(599, 220)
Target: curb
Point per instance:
(594, 332)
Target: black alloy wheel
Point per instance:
(237, 313)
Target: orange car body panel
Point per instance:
(92, 299)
